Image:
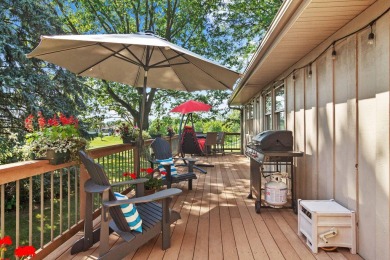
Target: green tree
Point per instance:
(29, 85)
(217, 29)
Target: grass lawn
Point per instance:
(105, 141)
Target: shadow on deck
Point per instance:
(219, 222)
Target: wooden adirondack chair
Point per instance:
(162, 150)
(156, 218)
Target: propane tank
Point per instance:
(276, 191)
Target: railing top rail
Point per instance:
(20, 170)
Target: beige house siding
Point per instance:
(340, 119)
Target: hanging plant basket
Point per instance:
(57, 158)
(128, 140)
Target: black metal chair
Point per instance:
(190, 144)
(210, 145)
(162, 151)
(156, 217)
(221, 143)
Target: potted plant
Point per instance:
(128, 133)
(152, 185)
(171, 133)
(57, 138)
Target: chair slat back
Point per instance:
(98, 175)
(161, 149)
(211, 138)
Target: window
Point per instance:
(274, 110)
(268, 111)
(279, 109)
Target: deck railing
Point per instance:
(42, 204)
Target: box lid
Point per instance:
(324, 206)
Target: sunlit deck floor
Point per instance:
(219, 222)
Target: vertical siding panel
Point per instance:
(382, 58)
(299, 136)
(345, 123)
(290, 104)
(325, 128)
(311, 137)
(367, 147)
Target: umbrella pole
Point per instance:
(181, 123)
(140, 142)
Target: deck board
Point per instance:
(219, 222)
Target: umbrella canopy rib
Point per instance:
(178, 76)
(113, 54)
(58, 51)
(142, 66)
(205, 72)
(135, 57)
(166, 60)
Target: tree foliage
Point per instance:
(217, 29)
(29, 85)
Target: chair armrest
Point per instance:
(136, 181)
(189, 159)
(92, 187)
(153, 197)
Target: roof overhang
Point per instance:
(298, 28)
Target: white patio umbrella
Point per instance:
(139, 60)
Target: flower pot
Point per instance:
(149, 192)
(57, 158)
(128, 140)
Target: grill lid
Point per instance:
(274, 140)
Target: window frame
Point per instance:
(272, 118)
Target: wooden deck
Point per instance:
(219, 222)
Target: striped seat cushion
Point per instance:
(131, 214)
(162, 169)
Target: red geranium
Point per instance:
(130, 174)
(7, 241)
(20, 252)
(28, 123)
(25, 251)
(147, 170)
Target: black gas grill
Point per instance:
(270, 152)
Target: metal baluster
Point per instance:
(68, 199)
(76, 177)
(17, 226)
(42, 209)
(30, 211)
(61, 172)
(51, 205)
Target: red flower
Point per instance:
(28, 123)
(147, 170)
(25, 251)
(6, 241)
(131, 175)
(41, 121)
(53, 121)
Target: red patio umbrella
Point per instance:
(189, 107)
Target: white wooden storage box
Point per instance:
(325, 223)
